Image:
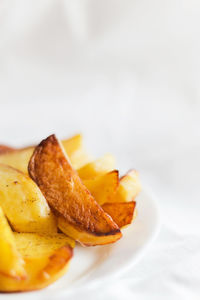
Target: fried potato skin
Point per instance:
(43, 263)
(122, 213)
(66, 194)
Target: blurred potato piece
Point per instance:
(73, 144)
(129, 187)
(103, 187)
(79, 158)
(23, 203)
(98, 167)
(19, 158)
(76, 151)
(11, 262)
(5, 149)
(46, 259)
(122, 213)
(79, 215)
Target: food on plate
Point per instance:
(23, 203)
(79, 215)
(129, 187)
(11, 261)
(98, 167)
(46, 259)
(122, 213)
(103, 187)
(52, 195)
(19, 158)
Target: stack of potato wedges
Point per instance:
(52, 196)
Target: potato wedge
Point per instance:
(46, 259)
(19, 158)
(73, 144)
(81, 216)
(122, 213)
(98, 167)
(103, 187)
(5, 149)
(23, 203)
(129, 187)
(11, 262)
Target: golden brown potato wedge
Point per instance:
(103, 187)
(46, 259)
(11, 262)
(98, 167)
(19, 158)
(129, 187)
(122, 213)
(79, 215)
(23, 203)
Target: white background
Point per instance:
(126, 74)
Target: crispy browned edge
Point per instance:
(37, 149)
(59, 258)
(115, 208)
(77, 227)
(127, 173)
(57, 261)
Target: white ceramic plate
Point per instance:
(94, 264)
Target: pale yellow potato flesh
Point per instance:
(76, 151)
(46, 259)
(103, 187)
(17, 159)
(11, 262)
(129, 187)
(98, 167)
(74, 148)
(23, 203)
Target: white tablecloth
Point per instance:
(125, 74)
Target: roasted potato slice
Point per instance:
(122, 213)
(23, 203)
(5, 149)
(19, 158)
(79, 215)
(11, 262)
(103, 187)
(98, 167)
(46, 259)
(128, 188)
